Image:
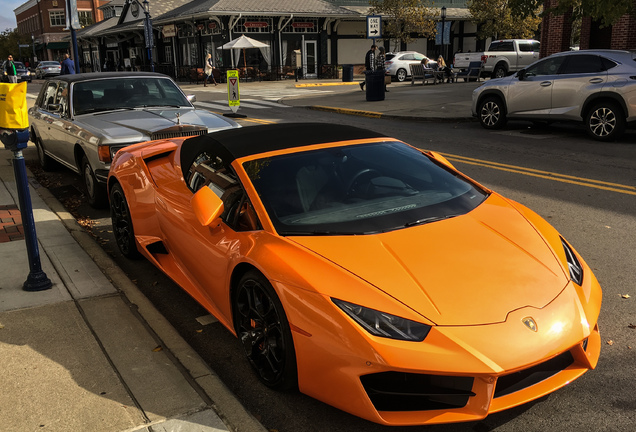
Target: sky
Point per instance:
(7, 19)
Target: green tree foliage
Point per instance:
(402, 19)
(9, 40)
(605, 11)
(496, 18)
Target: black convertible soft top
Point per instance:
(236, 143)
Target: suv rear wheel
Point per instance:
(492, 114)
(400, 75)
(605, 121)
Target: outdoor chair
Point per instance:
(473, 72)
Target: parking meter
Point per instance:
(14, 134)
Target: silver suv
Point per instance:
(596, 87)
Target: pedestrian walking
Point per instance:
(9, 70)
(209, 70)
(380, 66)
(68, 67)
(369, 63)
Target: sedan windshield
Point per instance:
(126, 93)
(359, 189)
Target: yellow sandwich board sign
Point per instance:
(233, 95)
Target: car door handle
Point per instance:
(546, 83)
(596, 80)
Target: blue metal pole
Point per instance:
(75, 50)
(37, 279)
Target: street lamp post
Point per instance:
(443, 26)
(148, 33)
(35, 57)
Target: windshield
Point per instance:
(358, 189)
(126, 93)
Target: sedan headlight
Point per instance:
(574, 266)
(385, 325)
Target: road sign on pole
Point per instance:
(233, 94)
(374, 26)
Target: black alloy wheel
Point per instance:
(491, 113)
(500, 71)
(97, 197)
(263, 329)
(122, 223)
(605, 122)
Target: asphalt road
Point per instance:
(587, 190)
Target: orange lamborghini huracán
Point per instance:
(345, 259)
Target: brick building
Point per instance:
(556, 32)
(45, 21)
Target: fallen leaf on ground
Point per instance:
(610, 342)
(157, 349)
(631, 326)
(625, 296)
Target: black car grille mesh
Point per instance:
(177, 134)
(528, 377)
(399, 391)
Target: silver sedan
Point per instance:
(81, 121)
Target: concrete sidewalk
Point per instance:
(92, 353)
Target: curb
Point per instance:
(203, 380)
(377, 115)
(327, 84)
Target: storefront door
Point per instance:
(309, 59)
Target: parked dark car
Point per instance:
(21, 71)
(82, 120)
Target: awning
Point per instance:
(57, 45)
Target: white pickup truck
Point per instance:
(502, 58)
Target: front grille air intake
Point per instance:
(399, 391)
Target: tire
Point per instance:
(500, 71)
(46, 162)
(122, 223)
(95, 192)
(263, 329)
(491, 112)
(400, 75)
(605, 122)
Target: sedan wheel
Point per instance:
(96, 192)
(401, 75)
(263, 329)
(46, 162)
(605, 122)
(491, 113)
(122, 223)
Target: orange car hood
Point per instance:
(468, 270)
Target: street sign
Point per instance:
(374, 26)
(24, 45)
(233, 95)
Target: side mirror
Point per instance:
(521, 74)
(207, 206)
(54, 107)
(438, 157)
(191, 98)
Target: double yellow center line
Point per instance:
(596, 184)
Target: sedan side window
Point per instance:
(49, 95)
(549, 66)
(62, 97)
(578, 64)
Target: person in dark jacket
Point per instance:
(369, 63)
(68, 67)
(9, 70)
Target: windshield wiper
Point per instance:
(429, 220)
(104, 110)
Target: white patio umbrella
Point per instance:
(243, 42)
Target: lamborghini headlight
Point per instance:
(383, 324)
(574, 266)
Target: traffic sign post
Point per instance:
(374, 27)
(233, 94)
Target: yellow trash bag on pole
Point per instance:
(13, 106)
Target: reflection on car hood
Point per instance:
(141, 124)
(468, 270)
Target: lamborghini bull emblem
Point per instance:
(530, 323)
